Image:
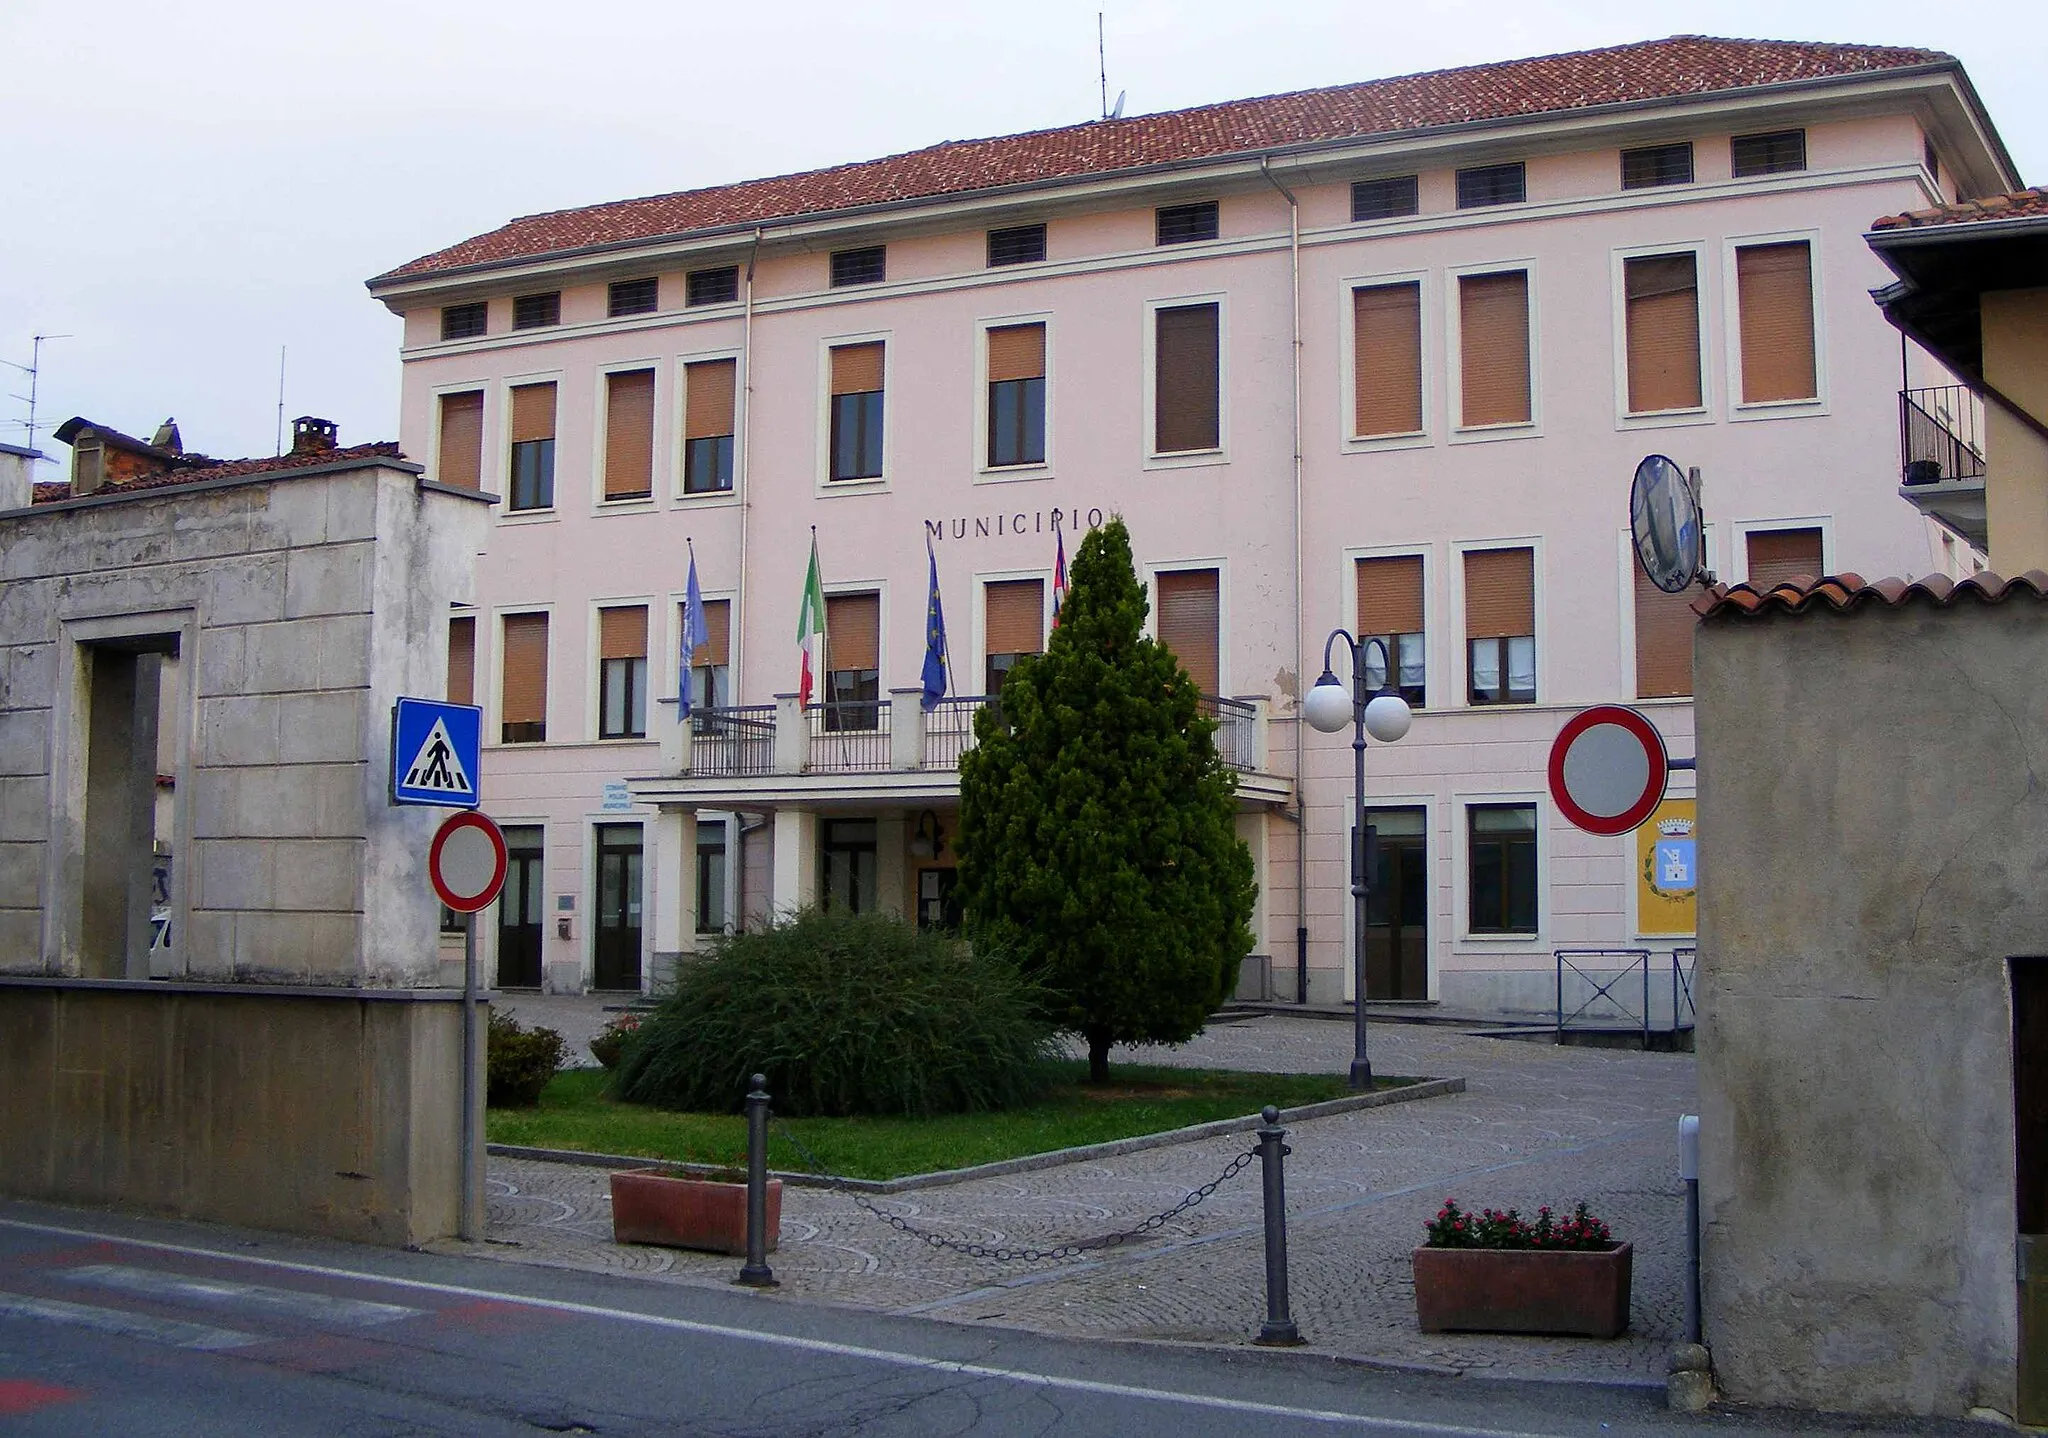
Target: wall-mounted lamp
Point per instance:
(928, 841)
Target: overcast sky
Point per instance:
(192, 184)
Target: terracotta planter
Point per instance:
(1522, 1290)
(687, 1212)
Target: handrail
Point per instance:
(1236, 729)
(1617, 984)
(1941, 432)
(731, 741)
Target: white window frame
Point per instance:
(503, 449)
(601, 416)
(1432, 660)
(1731, 311)
(1455, 602)
(1454, 361)
(984, 472)
(825, 483)
(487, 388)
(1702, 413)
(1189, 458)
(879, 588)
(1462, 803)
(1175, 566)
(1349, 440)
(594, 728)
(679, 407)
(983, 578)
(494, 710)
(1741, 529)
(672, 665)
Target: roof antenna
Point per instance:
(1102, 68)
(280, 399)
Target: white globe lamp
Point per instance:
(1328, 705)
(1386, 717)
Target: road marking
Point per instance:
(185, 1288)
(175, 1332)
(821, 1346)
(20, 1396)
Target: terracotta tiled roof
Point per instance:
(211, 469)
(1804, 594)
(1682, 65)
(2019, 205)
(49, 490)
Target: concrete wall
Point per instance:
(1872, 848)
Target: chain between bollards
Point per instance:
(1279, 1330)
(756, 1273)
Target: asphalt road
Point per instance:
(131, 1327)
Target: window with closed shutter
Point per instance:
(1500, 626)
(710, 665)
(1190, 623)
(1187, 379)
(629, 435)
(1776, 555)
(533, 446)
(853, 655)
(1773, 153)
(720, 286)
(622, 672)
(524, 699)
(857, 411)
(462, 439)
(1013, 625)
(1016, 395)
(1774, 284)
(1390, 609)
(462, 660)
(710, 393)
(1387, 358)
(1662, 295)
(1493, 348)
(1385, 199)
(1664, 625)
(633, 297)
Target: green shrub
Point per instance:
(519, 1061)
(845, 1014)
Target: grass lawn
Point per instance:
(576, 1113)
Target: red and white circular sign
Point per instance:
(467, 861)
(1608, 769)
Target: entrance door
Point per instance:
(2030, 1156)
(618, 906)
(1397, 906)
(519, 909)
(849, 865)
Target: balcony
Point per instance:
(1941, 451)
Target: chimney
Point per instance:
(311, 435)
(88, 464)
(17, 476)
(168, 438)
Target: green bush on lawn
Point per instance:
(845, 1014)
(519, 1061)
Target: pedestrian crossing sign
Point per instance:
(436, 753)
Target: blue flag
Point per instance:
(695, 632)
(935, 665)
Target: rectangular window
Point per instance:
(524, 699)
(1778, 555)
(1500, 625)
(633, 297)
(533, 446)
(1018, 245)
(711, 862)
(1500, 855)
(857, 411)
(1190, 623)
(629, 434)
(1493, 348)
(462, 439)
(462, 660)
(532, 312)
(1662, 296)
(1185, 224)
(1768, 154)
(868, 266)
(1774, 287)
(710, 392)
(1016, 395)
(1386, 359)
(1387, 199)
(1390, 609)
(1664, 624)
(710, 664)
(622, 672)
(464, 322)
(1187, 379)
(712, 287)
(853, 649)
(1492, 185)
(1655, 165)
(1013, 625)
(847, 867)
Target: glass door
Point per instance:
(1397, 906)
(519, 909)
(618, 907)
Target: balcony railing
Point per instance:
(1236, 730)
(849, 736)
(733, 742)
(1941, 434)
(949, 730)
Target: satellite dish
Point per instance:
(1118, 112)
(1664, 516)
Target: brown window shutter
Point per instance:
(853, 631)
(709, 389)
(462, 439)
(462, 661)
(717, 643)
(526, 669)
(856, 369)
(1390, 595)
(622, 632)
(1663, 298)
(629, 433)
(1664, 625)
(1387, 358)
(1775, 286)
(1013, 616)
(1186, 379)
(1500, 593)
(1776, 555)
(1016, 352)
(533, 412)
(1493, 347)
(1190, 623)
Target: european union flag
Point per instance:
(935, 665)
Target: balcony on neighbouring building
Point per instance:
(1941, 449)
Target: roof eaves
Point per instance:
(1804, 594)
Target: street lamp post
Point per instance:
(1386, 718)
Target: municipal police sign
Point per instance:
(436, 753)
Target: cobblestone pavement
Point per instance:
(1537, 1124)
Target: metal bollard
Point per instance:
(1278, 1331)
(1689, 1172)
(756, 1273)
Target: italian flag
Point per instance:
(810, 628)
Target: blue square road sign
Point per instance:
(436, 753)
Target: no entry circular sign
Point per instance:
(1608, 769)
(467, 861)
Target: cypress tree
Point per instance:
(1097, 842)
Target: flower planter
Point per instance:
(679, 1212)
(1522, 1290)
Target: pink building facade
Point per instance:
(1382, 357)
